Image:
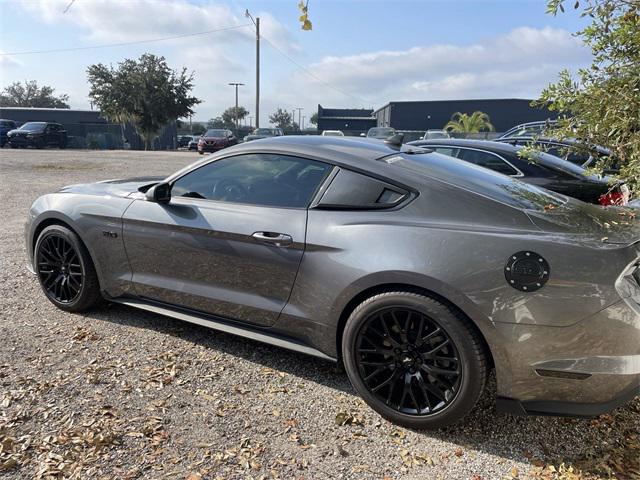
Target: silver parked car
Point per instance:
(418, 271)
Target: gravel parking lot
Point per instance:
(121, 393)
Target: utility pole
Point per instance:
(256, 22)
(236, 112)
(299, 116)
(303, 117)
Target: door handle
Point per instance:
(274, 238)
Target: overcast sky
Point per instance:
(359, 53)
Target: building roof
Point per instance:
(469, 100)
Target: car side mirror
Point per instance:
(159, 193)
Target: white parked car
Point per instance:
(435, 134)
(332, 133)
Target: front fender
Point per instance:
(97, 220)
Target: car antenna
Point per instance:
(395, 140)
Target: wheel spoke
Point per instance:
(439, 347)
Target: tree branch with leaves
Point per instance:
(600, 105)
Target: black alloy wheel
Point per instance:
(59, 269)
(408, 361)
(65, 270)
(414, 359)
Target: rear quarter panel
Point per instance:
(463, 260)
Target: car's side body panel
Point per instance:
(201, 255)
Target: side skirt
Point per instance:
(221, 325)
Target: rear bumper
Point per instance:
(584, 369)
(565, 409)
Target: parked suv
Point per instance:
(39, 135)
(5, 127)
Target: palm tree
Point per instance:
(474, 123)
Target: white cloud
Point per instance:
(7, 61)
(114, 21)
(516, 64)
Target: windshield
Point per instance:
(380, 132)
(433, 134)
(480, 180)
(216, 133)
(33, 126)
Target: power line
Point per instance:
(123, 44)
(313, 75)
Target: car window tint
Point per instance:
(257, 179)
(487, 160)
(446, 151)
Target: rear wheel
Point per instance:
(65, 270)
(413, 359)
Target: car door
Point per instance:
(49, 135)
(230, 240)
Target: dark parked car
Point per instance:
(418, 271)
(39, 135)
(546, 170)
(568, 149)
(216, 139)
(5, 127)
(528, 129)
(259, 133)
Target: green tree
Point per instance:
(314, 119)
(231, 115)
(198, 129)
(216, 122)
(282, 119)
(474, 123)
(145, 92)
(600, 105)
(28, 94)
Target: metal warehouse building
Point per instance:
(352, 121)
(87, 129)
(434, 114)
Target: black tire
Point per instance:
(369, 345)
(65, 270)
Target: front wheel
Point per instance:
(65, 270)
(414, 360)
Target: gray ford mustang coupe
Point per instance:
(419, 272)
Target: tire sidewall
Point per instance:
(72, 238)
(472, 379)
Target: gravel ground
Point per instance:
(121, 393)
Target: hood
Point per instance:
(17, 131)
(612, 225)
(117, 188)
